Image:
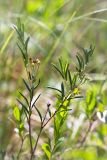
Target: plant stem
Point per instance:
(22, 141)
(20, 148)
(30, 134)
(32, 154)
(29, 120)
(86, 134)
(50, 118)
(53, 114)
(42, 127)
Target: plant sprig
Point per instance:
(69, 89)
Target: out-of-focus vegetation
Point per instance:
(57, 28)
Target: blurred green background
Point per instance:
(57, 28)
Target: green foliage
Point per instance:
(83, 60)
(16, 113)
(68, 90)
(56, 28)
(46, 149)
(23, 43)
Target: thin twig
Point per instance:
(32, 154)
(30, 134)
(21, 146)
(20, 149)
(45, 116)
(51, 117)
(86, 134)
(29, 122)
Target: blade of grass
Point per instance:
(97, 19)
(6, 42)
(87, 15)
(42, 25)
(63, 4)
(56, 44)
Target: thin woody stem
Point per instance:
(86, 134)
(30, 137)
(42, 127)
(32, 154)
(22, 141)
(20, 149)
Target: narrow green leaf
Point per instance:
(88, 53)
(58, 144)
(16, 113)
(86, 56)
(36, 100)
(56, 128)
(31, 93)
(26, 43)
(20, 38)
(61, 66)
(30, 77)
(62, 89)
(22, 30)
(18, 32)
(58, 70)
(77, 97)
(37, 84)
(27, 85)
(24, 98)
(63, 110)
(70, 78)
(74, 80)
(23, 54)
(49, 111)
(66, 70)
(63, 119)
(46, 149)
(54, 89)
(26, 114)
(79, 62)
(40, 116)
(23, 105)
(82, 61)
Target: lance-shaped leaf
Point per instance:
(58, 144)
(66, 70)
(26, 43)
(40, 116)
(62, 90)
(74, 80)
(27, 85)
(24, 98)
(80, 63)
(49, 111)
(61, 66)
(54, 89)
(23, 105)
(88, 53)
(58, 70)
(36, 100)
(37, 84)
(22, 43)
(70, 79)
(16, 113)
(47, 150)
(23, 54)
